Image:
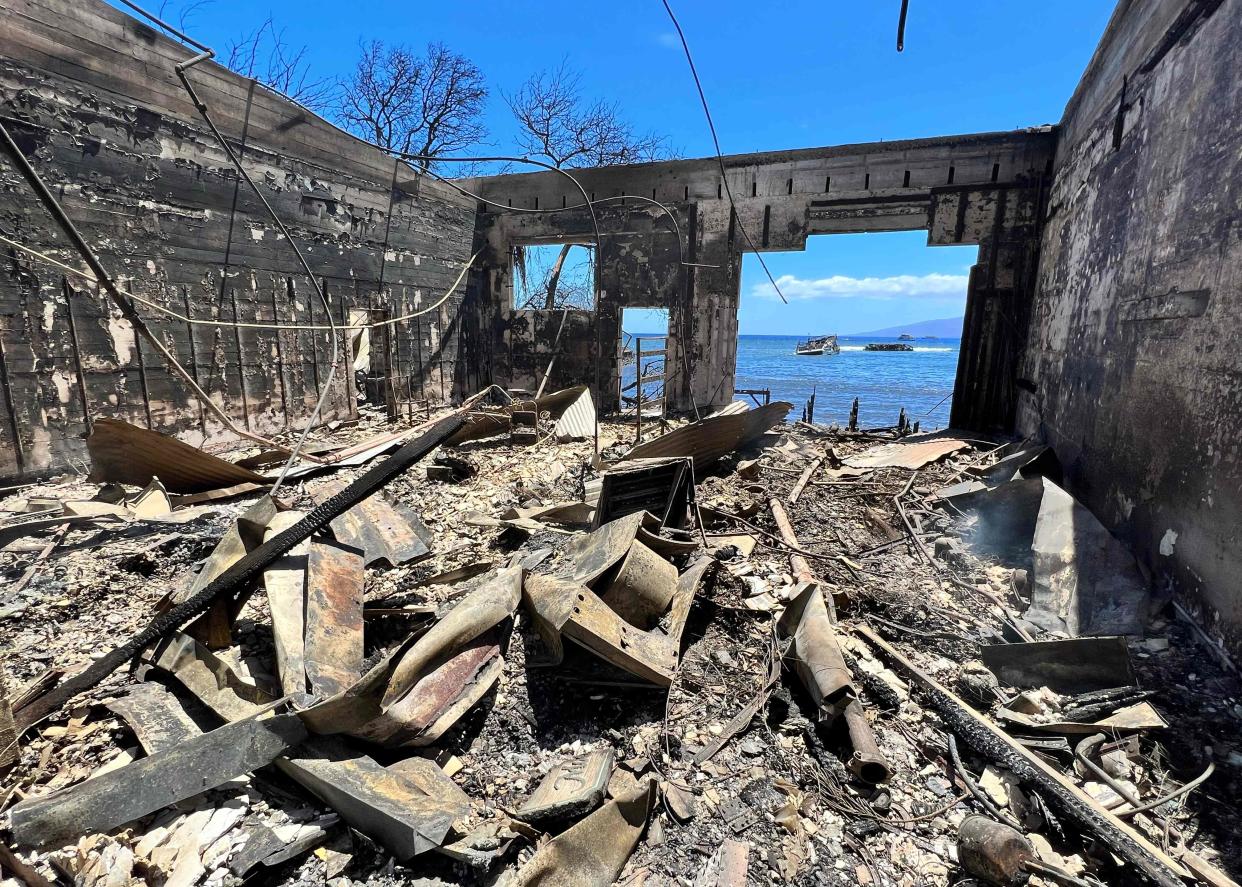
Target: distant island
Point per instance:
(945, 328)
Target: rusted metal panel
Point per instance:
(156, 717)
(708, 439)
(285, 584)
(571, 788)
(377, 801)
(913, 452)
(149, 784)
(333, 650)
(126, 454)
(383, 530)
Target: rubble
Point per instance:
(379, 718)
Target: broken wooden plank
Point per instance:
(285, 583)
(571, 789)
(383, 530)
(993, 743)
(333, 644)
(804, 479)
(156, 717)
(373, 799)
(149, 784)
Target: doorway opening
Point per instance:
(643, 361)
(884, 289)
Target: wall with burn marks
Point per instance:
(671, 240)
(92, 99)
(1133, 370)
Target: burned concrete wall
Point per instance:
(983, 189)
(1133, 370)
(92, 99)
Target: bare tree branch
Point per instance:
(557, 123)
(264, 55)
(554, 121)
(430, 105)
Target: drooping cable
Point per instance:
(243, 324)
(724, 175)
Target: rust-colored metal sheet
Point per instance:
(333, 645)
(285, 584)
(708, 439)
(377, 801)
(439, 697)
(126, 454)
(912, 452)
(571, 788)
(383, 530)
(489, 423)
(563, 608)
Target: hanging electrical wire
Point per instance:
(724, 176)
(243, 324)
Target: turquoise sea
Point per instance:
(921, 380)
(884, 382)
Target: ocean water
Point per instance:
(884, 382)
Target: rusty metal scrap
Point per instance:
(156, 717)
(994, 851)
(911, 452)
(816, 655)
(712, 437)
(126, 454)
(592, 852)
(571, 788)
(642, 587)
(332, 648)
(152, 783)
(562, 607)
(378, 695)
(207, 677)
(376, 800)
(383, 530)
(285, 585)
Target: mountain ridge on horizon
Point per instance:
(942, 328)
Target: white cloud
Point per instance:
(946, 287)
(668, 40)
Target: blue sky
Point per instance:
(800, 73)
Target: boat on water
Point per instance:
(818, 345)
(888, 346)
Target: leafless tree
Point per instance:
(264, 55)
(555, 122)
(430, 105)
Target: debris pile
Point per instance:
(736, 653)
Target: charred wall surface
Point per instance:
(984, 189)
(92, 99)
(1133, 370)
